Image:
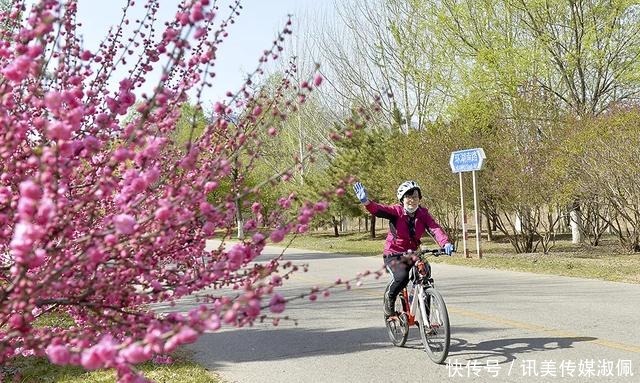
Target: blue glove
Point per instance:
(361, 192)
(448, 249)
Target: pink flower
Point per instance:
(285, 203)
(277, 303)
(162, 214)
(35, 50)
(59, 130)
(124, 224)
(321, 206)
(162, 359)
(21, 242)
(276, 280)
(17, 321)
(196, 13)
(110, 239)
(135, 354)
(186, 335)
(90, 359)
(106, 349)
(277, 235)
(18, 69)
(122, 154)
(5, 195)
(250, 225)
(38, 259)
(30, 190)
(213, 323)
(257, 238)
(253, 308)
(96, 255)
(199, 33)
(317, 80)
(58, 354)
(235, 255)
(86, 55)
(26, 208)
(303, 219)
(53, 101)
(208, 228)
(210, 186)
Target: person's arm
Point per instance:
(435, 229)
(378, 210)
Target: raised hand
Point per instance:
(361, 192)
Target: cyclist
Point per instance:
(408, 221)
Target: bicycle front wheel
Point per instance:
(434, 330)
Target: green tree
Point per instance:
(577, 59)
(362, 158)
(604, 153)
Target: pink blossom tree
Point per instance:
(101, 215)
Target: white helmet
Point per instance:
(407, 186)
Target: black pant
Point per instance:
(399, 268)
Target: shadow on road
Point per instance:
(507, 350)
(248, 345)
(288, 256)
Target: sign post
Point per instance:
(468, 160)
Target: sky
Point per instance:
(253, 32)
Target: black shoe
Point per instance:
(389, 309)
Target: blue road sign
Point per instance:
(467, 160)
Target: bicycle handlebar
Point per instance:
(434, 252)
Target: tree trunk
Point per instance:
(576, 224)
(336, 231)
(372, 232)
(489, 229)
(239, 220)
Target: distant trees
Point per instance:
(527, 81)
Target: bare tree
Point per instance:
(380, 48)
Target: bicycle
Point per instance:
(429, 304)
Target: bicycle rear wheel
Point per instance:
(435, 332)
(397, 326)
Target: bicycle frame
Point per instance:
(413, 308)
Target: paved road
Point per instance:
(506, 327)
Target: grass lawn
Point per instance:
(603, 262)
(33, 369)
(40, 370)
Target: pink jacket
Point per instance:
(399, 238)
